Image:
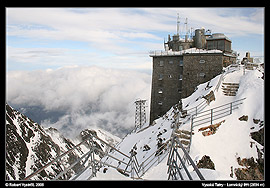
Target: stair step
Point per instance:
(227, 91)
(182, 132)
(184, 136)
(230, 87)
(184, 142)
(230, 94)
(231, 84)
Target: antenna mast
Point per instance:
(178, 23)
(186, 30)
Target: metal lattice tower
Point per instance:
(140, 115)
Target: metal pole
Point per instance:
(211, 116)
(191, 120)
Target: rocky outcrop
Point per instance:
(252, 170)
(258, 136)
(29, 147)
(243, 118)
(210, 97)
(206, 162)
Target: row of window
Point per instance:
(170, 76)
(202, 74)
(160, 90)
(161, 63)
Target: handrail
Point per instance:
(175, 169)
(204, 115)
(92, 150)
(216, 89)
(54, 160)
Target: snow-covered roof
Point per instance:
(187, 51)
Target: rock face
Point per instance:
(29, 147)
(258, 136)
(206, 162)
(210, 97)
(252, 170)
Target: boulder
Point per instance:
(206, 162)
(210, 97)
(243, 118)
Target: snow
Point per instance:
(187, 51)
(231, 140)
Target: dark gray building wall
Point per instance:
(220, 44)
(166, 84)
(199, 68)
(168, 87)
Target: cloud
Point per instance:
(38, 58)
(112, 37)
(87, 96)
(105, 27)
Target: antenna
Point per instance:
(186, 30)
(178, 23)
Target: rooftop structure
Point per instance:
(184, 64)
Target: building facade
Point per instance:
(184, 65)
(167, 79)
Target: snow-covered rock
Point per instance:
(29, 147)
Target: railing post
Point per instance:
(191, 121)
(211, 116)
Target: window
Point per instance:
(180, 77)
(171, 62)
(202, 74)
(202, 61)
(161, 63)
(160, 91)
(181, 63)
(160, 77)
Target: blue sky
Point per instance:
(50, 38)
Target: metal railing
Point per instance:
(204, 103)
(89, 157)
(177, 168)
(57, 159)
(208, 116)
(128, 165)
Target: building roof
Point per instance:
(187, 51)
(218, 36)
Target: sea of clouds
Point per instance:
(72, 99)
